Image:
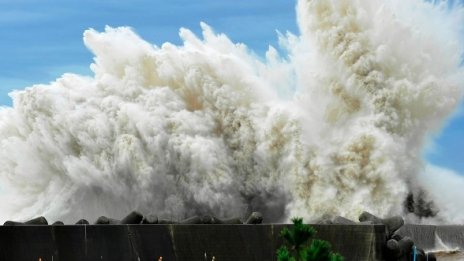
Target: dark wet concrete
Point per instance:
(175, 242)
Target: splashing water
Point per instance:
(334, 127)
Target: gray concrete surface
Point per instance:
(444, 237)
(175, 242)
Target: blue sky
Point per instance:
(40, 40)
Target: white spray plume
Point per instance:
(334, 128)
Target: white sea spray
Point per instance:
(335, 127)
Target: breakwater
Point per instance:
(175, 242)
(435, 238)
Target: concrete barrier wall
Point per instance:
(445, 237)
(175, 242)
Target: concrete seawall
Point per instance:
(175, 242)
(428, 237)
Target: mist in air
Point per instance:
(335, 125)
